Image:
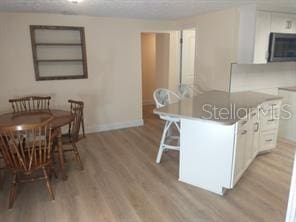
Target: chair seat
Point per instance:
(35, 164)
(66, 139)
(169, 118)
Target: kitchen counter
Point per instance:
(216, 150)
(288, 88)
(207, 106)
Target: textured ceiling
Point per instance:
(146, 9)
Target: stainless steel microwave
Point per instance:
(282, 47)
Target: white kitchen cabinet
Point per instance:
(263, 23)
(268, 140)
(241, 145)
(254, 31)
(253, 38)
(216, 151)
(283, 23)
(255, 134)
(269, 123)
(246, 145)
(249, 151)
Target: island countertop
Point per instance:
(293, 89)
(210, 105)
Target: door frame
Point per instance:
(181, 52)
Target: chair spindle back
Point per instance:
(75, 126)
(30, 104)
(74, 105)
(25, 148)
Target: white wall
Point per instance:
(216, 47)
(112, 93)
(174, 66)
(263, 77)
(162, 60)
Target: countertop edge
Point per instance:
(228, 122)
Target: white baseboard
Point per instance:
(148, 102)
(114, 126)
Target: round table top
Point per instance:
(60, 118)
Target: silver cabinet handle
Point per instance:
(257, 127)
(269, 140)
(244, 122)
(271, 120)
(289, 24)
(244, 132)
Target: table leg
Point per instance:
(61, 154)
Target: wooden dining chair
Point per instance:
(74, 104)
(73, 136)
(2, 168)
(30, 104)
(27, 149)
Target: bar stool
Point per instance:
(188, 91)
(163, 97)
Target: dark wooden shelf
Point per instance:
(60, 60)
(58, 44)
(52, 62)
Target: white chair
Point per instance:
(163, 97)
(188, 91)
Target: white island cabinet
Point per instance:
(215, 150)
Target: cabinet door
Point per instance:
(283, 23)
(269, 115)
(249, 144)
(240, 155)
(256, 137)
(253, 136)
(263, 22)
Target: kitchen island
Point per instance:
(221, 134)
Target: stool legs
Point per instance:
(166, 132)
(161, 146)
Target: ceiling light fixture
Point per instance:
(75, 1)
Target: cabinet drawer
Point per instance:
(242, 124)
(269, 115)
(268, 123)
(268, 140)
(274, 105)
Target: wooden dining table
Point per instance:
(60, 118)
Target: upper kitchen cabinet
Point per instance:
(233, 36)
(263, 23)
(254, 32)
(283, 23)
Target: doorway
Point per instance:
(187, 56)
(160, 64)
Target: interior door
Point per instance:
(187, 56)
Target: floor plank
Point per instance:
(122, 182)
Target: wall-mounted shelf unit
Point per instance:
(59, 52)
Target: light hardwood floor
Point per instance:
(121, 182)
